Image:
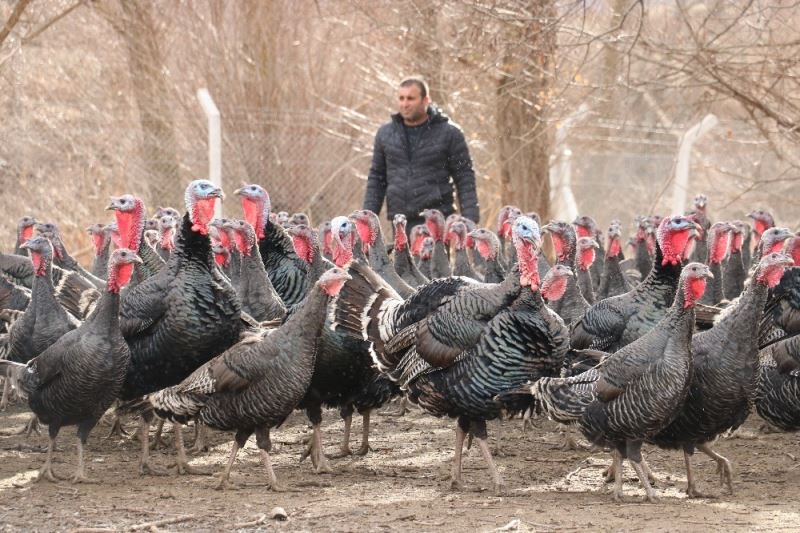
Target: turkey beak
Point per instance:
(136, 259)
(708, 274)
(548, 227)
(24, 245)
(239, 191)
(217, 193)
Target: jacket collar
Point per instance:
(435, 115)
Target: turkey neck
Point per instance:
(100, 263)
(461, 264)
(733, 275)
(318, 264)
(189, 246)
(494, 271)
(440, 261)
(662, 280)
(105, 317)
(739, 325)
(713, 294)
(612, 279)
(43, 292)
(643, 260)
(378, 259)
(746, 255)
(585, 284)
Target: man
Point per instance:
(414, 159)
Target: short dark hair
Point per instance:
(418, 81)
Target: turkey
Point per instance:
(343, 376)
(572, 305)
(62, 258)
(440, 266)
(25, 227)
(523, 341)
(441, 320)
(782, 312)
(129, 212)
(643, 257)
(76, 379)
(771, 241)
(615, 322)
(762, 221)
(427, 245)
(487, 244)
(733, 271)
(256, 293)
(181, 317)
(101, 239)
(461, 262)
(584, 260)
(403, 263)
(613, 282)
(634, 393)
(325, 236)
(44, 321)
(287, 272)
(166, 235)
(505, 218)
(369, 229)
(253, 386)
(702, 242)
(585, 226)
(725, 373)
(17, 268)
(717, 241)
(306, 245)
(224, 237)
(778, 396)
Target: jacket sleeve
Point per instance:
(460, 165)
(376, 180)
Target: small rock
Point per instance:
(278, 513)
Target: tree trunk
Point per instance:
(426, 51)
(146, 65)
(525, 139)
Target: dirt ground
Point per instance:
(400, 485)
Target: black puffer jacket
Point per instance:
(423, 181)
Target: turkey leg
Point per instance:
(364, 433)
(144, 462)
(46, 472)
(181, 462)
(200, 434)
(224, 477)
(265, 445)
(80, 472)
(455, 473)
(344, 450)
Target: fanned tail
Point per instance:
(566, 399)
(364, 309)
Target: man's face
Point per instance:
(411, 105)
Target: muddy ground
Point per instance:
(400, 485)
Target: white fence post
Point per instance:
(688, 139)
(214, 142)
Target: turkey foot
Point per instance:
(273, 480)
(402, 409)
(116, 429)
(314, 450)
(724, 468)
(6, 393)
(181, 463)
